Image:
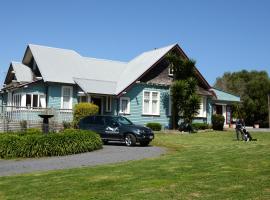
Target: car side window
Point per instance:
(88, 120)
(99, 120)
(109, 121)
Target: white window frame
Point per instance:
(128, 105)
(39, 104)
(17, 100)
(203, 104)
(71, 97)
(108, 104)
(151, 102)
(170, 68)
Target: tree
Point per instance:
(253, 88)
(185, 100)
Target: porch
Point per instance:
(12, 116)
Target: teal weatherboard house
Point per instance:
(139, 89)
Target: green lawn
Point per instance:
(197, 166)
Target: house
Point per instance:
(139, 89)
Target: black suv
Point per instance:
(117, 128)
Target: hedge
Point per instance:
(218, 122)
(200, 126)
(82, 110)
(69, 141)
(154, 126)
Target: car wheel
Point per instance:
(144, 143)
(130, 140)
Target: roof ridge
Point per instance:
(49, 47)
(104, 59)
(155, 49)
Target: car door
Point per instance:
(111, 128)
(99, 126)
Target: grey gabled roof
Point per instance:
(96, 86)
(91, 74)
(58, 65)
(139, 65)
(22, 72)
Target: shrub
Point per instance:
(67, 142)
(23, 125)
(218, 122)
(154, 126)
(67, 125)
(82, 110)
(200, 126)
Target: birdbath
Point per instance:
(45, 124)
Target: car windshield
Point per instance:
(123, 121)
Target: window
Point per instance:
(17, 98)
(66, 100)
(34, 100)
(170, 70)
(125, 105)
(202, 111)
(82, 99)
(28, 100)
(151, 103)
(108, 104)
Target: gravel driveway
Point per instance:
(109, 154)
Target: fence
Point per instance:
(11, 116)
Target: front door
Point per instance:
(97, 101)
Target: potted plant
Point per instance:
(256, 124)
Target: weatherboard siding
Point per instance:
(136, 108)
(55, 93)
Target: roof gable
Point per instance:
(21, 72)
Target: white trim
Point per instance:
(203, 104)
(169, 70)
(151, 102)
(128, 105)
(70, 98)
(108, 104)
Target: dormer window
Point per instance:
(170, 73)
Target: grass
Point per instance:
(197, 166)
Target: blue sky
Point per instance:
(221, 35)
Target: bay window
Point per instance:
(34, 100)
(151, 103)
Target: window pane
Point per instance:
(154, 96)
(146, 106)
(28, 100)
(35, 100)
(124, 105)
(83, 99)
(66, 92)
(154, 107)
(66, 102)
(146, 95)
